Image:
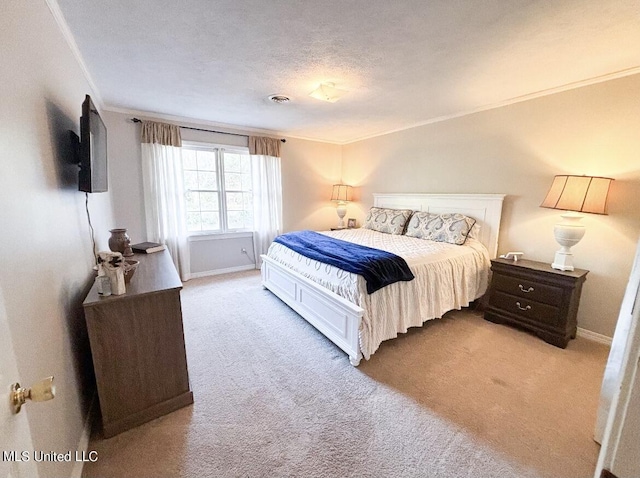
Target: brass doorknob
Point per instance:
(40, 392)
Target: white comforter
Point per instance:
(447, 277)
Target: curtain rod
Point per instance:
(138, 120)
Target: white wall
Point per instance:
(221, 253)
(517, 150)
(309, 169)
(123, 144)
(45, 251)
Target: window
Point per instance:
(218, 193)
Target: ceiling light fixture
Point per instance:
(328, 92)
(280, 99)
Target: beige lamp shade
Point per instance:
(578, 193)
(341, 193)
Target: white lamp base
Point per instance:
(563, 261)
(341, 209)
(568, 233)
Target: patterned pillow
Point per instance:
(474, 233)
(451, 228)
(391, 221)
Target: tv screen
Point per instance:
(93, 150)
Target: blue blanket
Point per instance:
(379, 268)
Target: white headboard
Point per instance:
(484, 208)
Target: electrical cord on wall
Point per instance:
(250, 256)
(93, 238)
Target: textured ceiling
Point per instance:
(403, 62)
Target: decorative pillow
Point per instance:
(391, 221)
(451, 228)
(474, 233)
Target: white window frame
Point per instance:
(217, 148)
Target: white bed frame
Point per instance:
(337, 318)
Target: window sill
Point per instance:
(213, 236)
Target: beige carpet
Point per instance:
(459, 397)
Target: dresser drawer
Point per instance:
(528, 310)
(528, 289)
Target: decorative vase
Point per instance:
(120, 242)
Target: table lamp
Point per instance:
(574, 194)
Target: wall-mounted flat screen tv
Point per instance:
(92, 177)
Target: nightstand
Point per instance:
(536, 297)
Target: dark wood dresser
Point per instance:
(537, 297)
(137, 345)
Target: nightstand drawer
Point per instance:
(529, 310)
(528, 289)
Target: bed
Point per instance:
(336, 303)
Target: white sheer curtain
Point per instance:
(164, 192)
(267, 193)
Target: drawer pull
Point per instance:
(523, 308)
(530, 289)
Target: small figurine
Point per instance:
(113, 265)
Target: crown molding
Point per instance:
(68, 36)
(511, 101)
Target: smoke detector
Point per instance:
(279, 99)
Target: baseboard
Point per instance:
(83, 443)
(196, 275)
(110, 429)
(587, 334)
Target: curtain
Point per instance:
(267, 196)
(264, 146)
(163, 191)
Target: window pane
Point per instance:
(209, 202)
(189, 159)
(207, 181)
(191, 180)
(206, 160)
(210, 221)
(234, 202)
(238, 220)
(193, 221)
(232, 163)
(232, 181)
(192, 201)
(204, 202)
